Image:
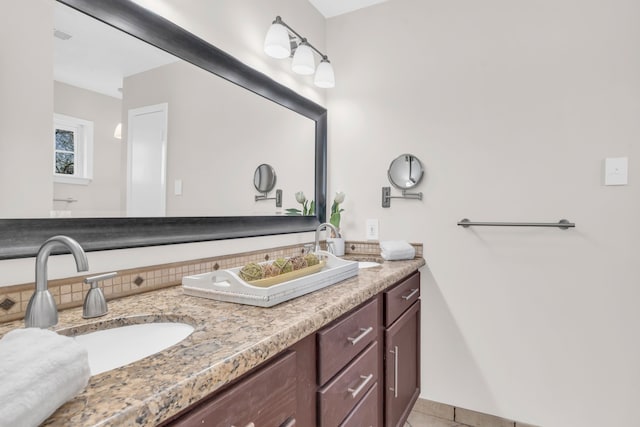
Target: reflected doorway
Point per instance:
(147, 161)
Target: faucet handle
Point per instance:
(95, 304)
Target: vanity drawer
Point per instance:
(342, 341)
(265, 398)
(365, 414)
(340, 395)
(399, 298)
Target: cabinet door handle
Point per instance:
(355, 391)
(290, 422)
(411, 294)
(251, 424)
(364, 332)
(394, 389)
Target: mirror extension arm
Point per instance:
(278, 198)
(386, 196)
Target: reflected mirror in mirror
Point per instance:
(405, 172)
(264, 179)
(187, 141)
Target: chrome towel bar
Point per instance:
(563, 224)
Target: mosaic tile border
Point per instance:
(70, 292)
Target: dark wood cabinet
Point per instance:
(266, 398)
(402, 366)
(349, 366)
(361, 370)
(339, 396)
(365, 414)
(398, 298)
(346, 337)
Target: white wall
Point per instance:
(26, 109)
(512, 107)
(236, 27)
(218, 134)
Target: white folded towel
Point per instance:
(394, 250)
(40, 370)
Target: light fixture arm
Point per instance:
(279, 20)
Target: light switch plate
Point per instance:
(615, 171)
(177, 187)
(372, 229)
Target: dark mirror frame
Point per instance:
(22, 237)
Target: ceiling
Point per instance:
(330, 8)
(98, 57)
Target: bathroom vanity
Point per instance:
(290, 362)
(342, 375)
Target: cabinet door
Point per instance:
(266, 398)
(402, 366)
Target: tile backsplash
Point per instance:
(70, 292)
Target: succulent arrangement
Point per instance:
(254, 271)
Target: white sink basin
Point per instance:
(111, 348)
(368, 264)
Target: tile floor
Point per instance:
(418, 419)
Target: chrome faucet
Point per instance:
(42, 311)
(319, 229)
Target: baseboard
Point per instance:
(464, 416)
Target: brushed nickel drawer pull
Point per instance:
(364, 331)
(355, 391)
(411, 294)
(251, 424)
(394, 389)
(289, 422)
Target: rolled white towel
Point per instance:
(395, 250)
(40, 371)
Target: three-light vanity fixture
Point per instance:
(282, 41)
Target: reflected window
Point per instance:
(72, 150)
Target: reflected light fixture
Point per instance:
(282, 40)
(117, 134)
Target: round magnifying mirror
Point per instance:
(264, 179)
(405, 172)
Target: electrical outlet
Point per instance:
(372, 229)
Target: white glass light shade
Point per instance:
(276, 43)
(303, 61)
(324, 75)
(117, 133)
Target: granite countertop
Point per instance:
(228, 340)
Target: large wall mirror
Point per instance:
(156, 135)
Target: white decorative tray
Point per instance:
(226, 285)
